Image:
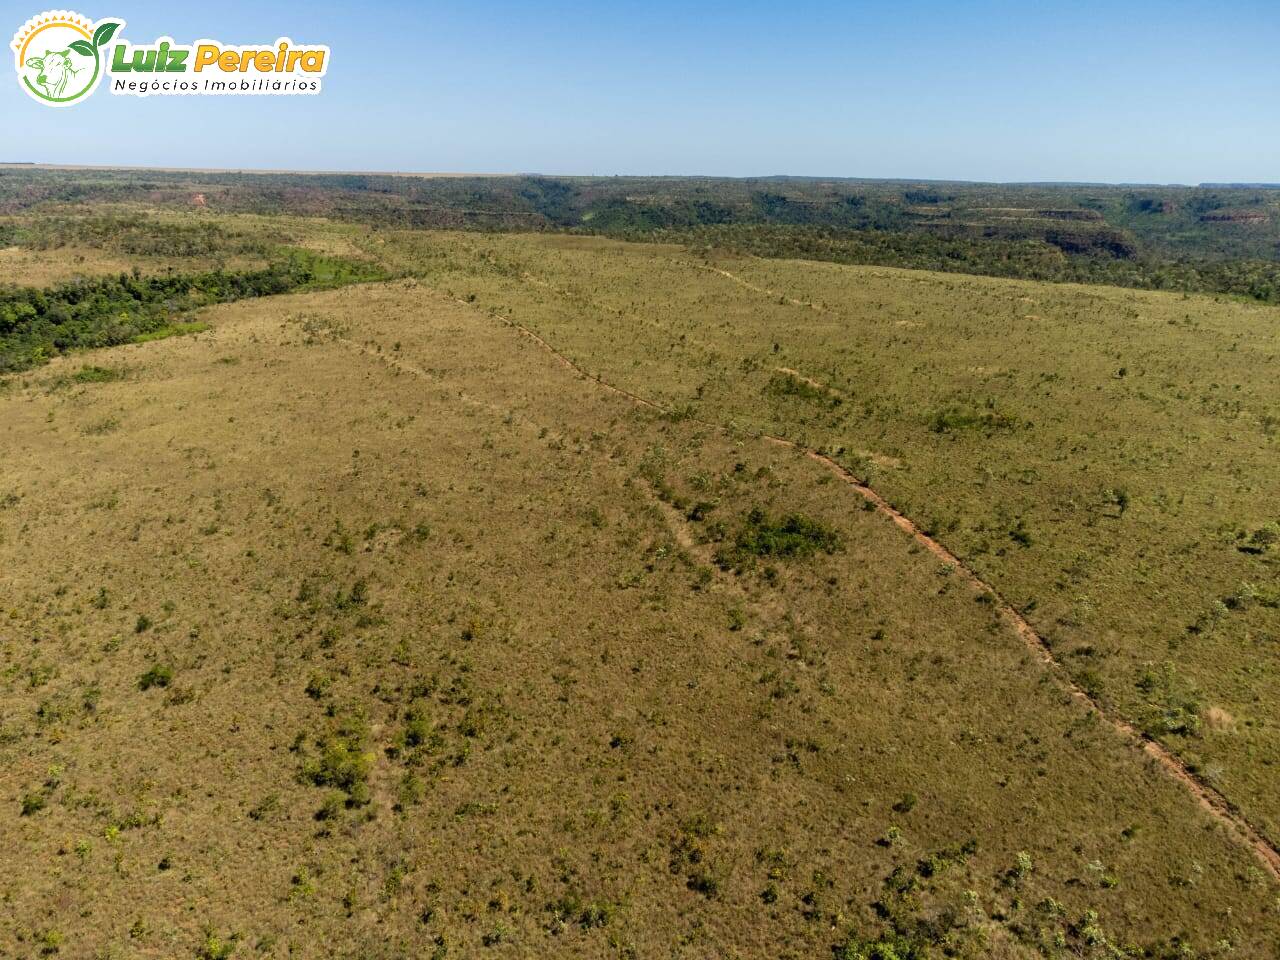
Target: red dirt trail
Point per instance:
(1213, 802)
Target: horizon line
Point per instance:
(441, 174)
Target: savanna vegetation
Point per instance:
(1212, 238)
(1101, 457)
(365, 625)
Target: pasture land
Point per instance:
(1106, 459)
(361, 625)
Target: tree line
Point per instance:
(39, 324)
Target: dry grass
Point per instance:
(43, 268)
(1106, 464)
(368, 629)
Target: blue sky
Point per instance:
(1122, 91)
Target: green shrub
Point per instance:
(690, 857)
(331, 807)
(50, 942)
(418, 729)
(409, 792)
(344, 762)
(158, 675)
(93, 374)
(357, 596)
(888, 947)
(318, 686)
(784, 384)
(215, 948)
(1265, 537)
(954, 418)
(265, 807)
(1173, 707)
(598, 913)
(789, 537)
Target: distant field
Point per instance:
(1211, 238)
(363, 625)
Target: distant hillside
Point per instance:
(1214, 238)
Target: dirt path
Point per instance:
(671, 517)
(399, 365)
(1209, 798)
(751, 286)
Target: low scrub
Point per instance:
(956, 418)
(792, 536)
(342, 761)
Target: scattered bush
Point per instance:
(1172, 706)
(215, 948)
(955, 418)
(343, 761)
(158, 675)
(690, 858)
(889, 947)
(265, 808)
(784, 384)
(789, 537)
(92, 374)
(1264, 538)
(318, 686)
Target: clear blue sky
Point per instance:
(1164, 91)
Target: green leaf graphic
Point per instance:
(104, 33)
(82, 47)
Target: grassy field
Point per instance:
(360, 625)
(1104, 458)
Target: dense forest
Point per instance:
(1212, 238)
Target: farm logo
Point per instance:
(62, 56)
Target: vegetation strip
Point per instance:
(1097, 258)
(37, 325)
(1209, 798)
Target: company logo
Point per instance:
(59, 55)
(62, 56)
